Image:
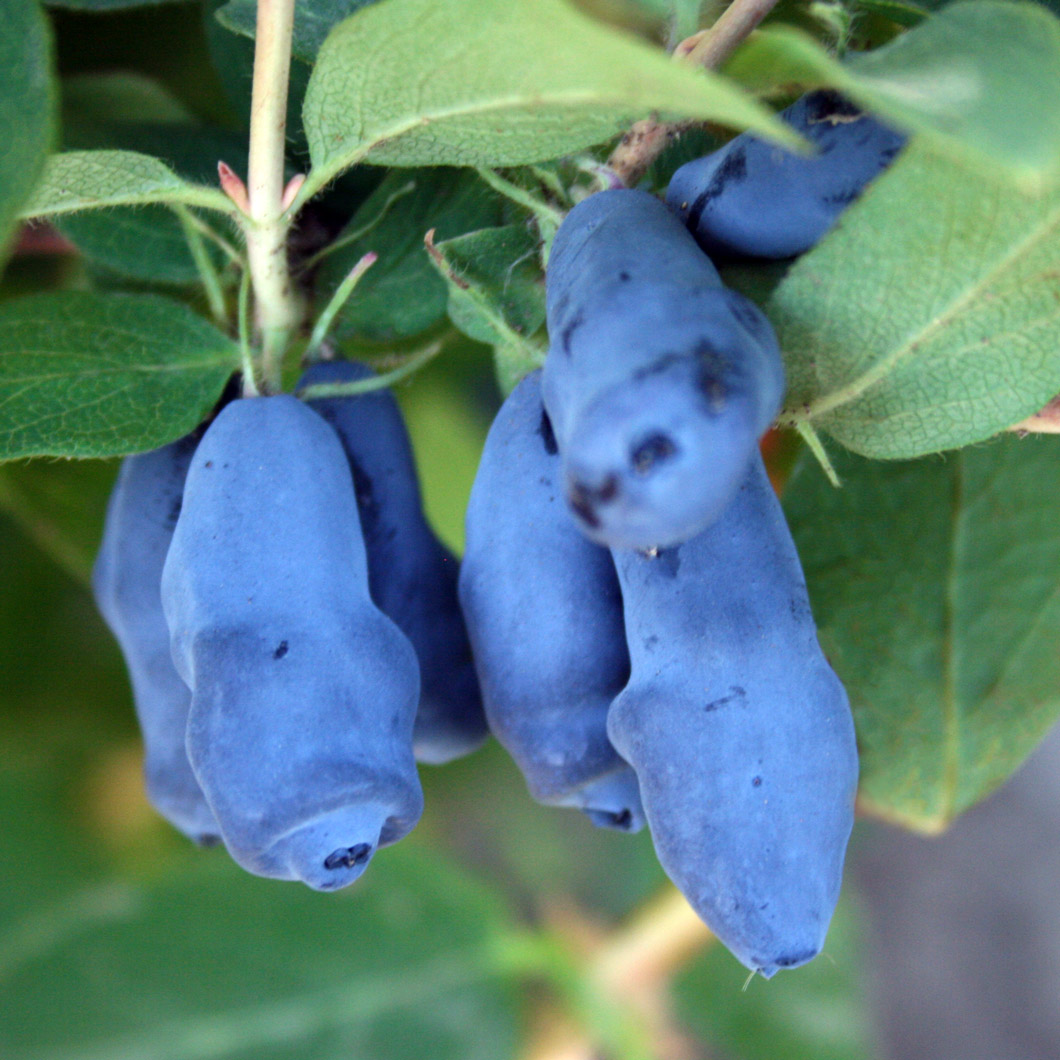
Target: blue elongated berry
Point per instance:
(141, 514)
(411, 575)
(545, 617)
(739, 730)
(303, 692)
(755, 199)
(659, 380)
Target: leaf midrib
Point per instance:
(291, 1018)
(883, 367)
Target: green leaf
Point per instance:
(103, 375)
(92, 180)
(936, 588)
(148, 243)
(929, 318)
(815, 1013)
(106, 5)
(980, 80)
(498, 289)
(497, 295)
(92, 101)
(521, 81)
(27, 107)
(205, 962)
(401, 294)
(313, 21)
(59, 505)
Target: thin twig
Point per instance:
(632, 968)
(335, 304)
(363, 230)
(250, 386)
(211, 282)
(646, 139)
(377, 382)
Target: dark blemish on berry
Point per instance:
(736, 695)
(174, 513)
(732, 170)
(348, 858)
(548, 436)
(567, 334)
(281, 650)
(756, 782)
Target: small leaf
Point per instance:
(929, 318)
(496, 295)
(104, 375)
(980, 81)
(401, 294)
(313, 21)
(936, 588)
(27, 106)
(499, 293)
(503, 84)
(91, 180)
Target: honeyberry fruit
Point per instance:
(303, 692)
(545, 617)
(658, 380)
(739, 731)
(755, 199)
(412, 577)
(141, 515)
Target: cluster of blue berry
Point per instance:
(639, 621)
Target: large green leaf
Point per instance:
(208, 962)
(930, 318)
(815, 1013)
(401, 294)
(981, 80)
(313, 21)
(91, 180)
(102, 375)
(936, 588)
(92, 102)
(27, 106)
(506, 83)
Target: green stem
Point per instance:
(809, 435)
(250, 386)
(275, 300)
(359, 233)
(215, 237)
(337, 301)
(377, 382)
(540, 209)
(211, 282)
